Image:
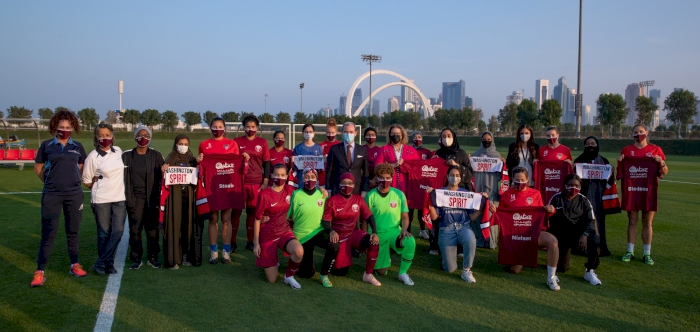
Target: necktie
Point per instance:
(348, 155)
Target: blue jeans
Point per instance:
(110, 218)
(448, 239)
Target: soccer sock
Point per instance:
(372, 253)
(630, 247)
(409, 249)
(249, 223)
(235, 223)
(647, 249)
(214, 247)
(551, 271)
(227, 247)
(292, 268)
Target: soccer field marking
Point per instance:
(105, 317)
(681, 182)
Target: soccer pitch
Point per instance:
(218, 297)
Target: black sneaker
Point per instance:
(355, 253)
(111, 270)
(136, 265)
(154, 263)
(100, 271)
(234, 246)
(249, 246)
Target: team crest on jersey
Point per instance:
(286, 160)
(560, 156)
(320, 202)
(425, 156)
(208, 145)
(393, 204)
(225, 146)
(545, 153)
(512, 197)
(632, 152)
(258, 148)
(288, 199)
(529, 201)
(649, 154)
(355, 208)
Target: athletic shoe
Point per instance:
(424, 234)
(225, 257)
(249, 246)
(77, 270)
(292, 282)
(355, 253)
(185, 262)
(406, 279)
(468, 276)
(111, 270)
(214, 258)
(461, 255)
(175, 267)
(370, 279)
(605, 253)
(434, 253)
(325, 281)
(136, 265)
(100, 271)
(591, 277)
(628, 257)
(39, 278)
(553, 283)
(234, 246)
(154, 263)
(646, 259)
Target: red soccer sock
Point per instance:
(235, 223)
(372, 253)
(292, 268)
(249, 224)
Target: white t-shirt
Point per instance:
(109, 165)
(524, 161)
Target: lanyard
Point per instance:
(525, 156)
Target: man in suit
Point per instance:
(347, 157)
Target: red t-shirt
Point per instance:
(514, 198)
(221, 176)
(282, 157)
(222, 146)
(421, 175)
(547, 153)
(650, 151)
(639, 183)
(326, 145)
(274, 205)
(424, 153)
(343, 212)
(549, 176)
(371, 155)
(519, 234)
(259, 152)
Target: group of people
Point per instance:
(342, 197)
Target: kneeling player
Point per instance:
(388, 206)
(273, 203)
(340, 219)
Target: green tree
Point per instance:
(568, 127)
(362, 121)
(467, 119)
(320, 118)
(645, 109)
(209, 115)
(246, 114)
(266, 118)
(61, 108)
(150, 118)
(2, 114)
(45, 113)
(550, 113)
(191, 119)
(301, 118)
(528, 114)
(681, 107)
(442, 118)
(374, 121)
(661, 127)
(131, 116)
(431, 124)
(111, 117)
(411, 120)
(611, 111)
(508, 118)
(17, 112)
(481, 126)
(169, 120)
(230, 117)
(493, 124)
(88, 118)
(283, 117)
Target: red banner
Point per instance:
(549, 177)
(520, 229)
(639, 183)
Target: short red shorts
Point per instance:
(268, 250)
(251, 195)
(344, 258)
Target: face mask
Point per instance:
(572, 191)
(279, 142)
(448, 141)
(308, 136)
(417, 142)
(105, 142)
(251, 133)
(519, 186)
(182, 149)
(217, 132)
(330, 138)
(63, 134)
(525, 137)
(640, 137)
(552, 140)
(591, 150)
(279, 181)
(486, 144)
(310, 184)
(370, 140)
(143, 141)
(384, 183)
(346, 190)
(348, 138)
(454, 180)
(395, 139)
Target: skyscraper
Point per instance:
(659, 116)
(393, 105)
(453, 94)
(541, 91)
(561, 94)
(375, 107)
(356, 100)
(407, 95)
(343, 100)
(633, 91)
(515, 98)
(469, 102)
(587, 117)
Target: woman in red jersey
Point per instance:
(281, 155)
(553, 150)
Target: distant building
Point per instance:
(515, 98)
(356, 100)
(659, 117)
(561, 94)
(407, 95)
(341, 108)
(541, 91)
(393, 105)
(375, 107)
(633, 91)
(587, 116)
(469, 102)
(453, 95)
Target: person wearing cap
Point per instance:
(142, 180)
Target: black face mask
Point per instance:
(486, 144)
(591, 150)
(395, 139)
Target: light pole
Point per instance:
(121, 91)
(646, 85)
(579, 96)
(371, 58)
(301, 99)
(266, 103)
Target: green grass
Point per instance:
(237, 297)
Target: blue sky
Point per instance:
(225, 55)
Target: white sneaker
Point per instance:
(406, 279)
(460, 255)
(292, 282)
(225, 257)
(591, 277)
(214, 257)
(424, 234)
(370, 279)
(434, 253)
(553, 283)
(468, 276)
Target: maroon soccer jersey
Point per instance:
(343, 212)
(222, 178)
(550, 175)
(421, 175)
(222, 146)
(639, 183)
(520, 229)
(259, 152)
(424, 153)
(650, 151)
(513, 198)
(281, 157)
(326, 145)
(547, 153)
(274, 205)
(371, 155)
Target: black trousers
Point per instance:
(141, 217)
(568, 238)
(51, 206)
(307, 268)
(194, 254)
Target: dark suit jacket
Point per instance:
(337, 165)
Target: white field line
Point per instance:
(681, 182)
(105, 317)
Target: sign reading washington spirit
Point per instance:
(457, 199)
(180, 175)
(593, 171)
(486, 164)
(308, 161)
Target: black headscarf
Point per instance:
(459, 156)
(589, 153)
(445, 152)
(176, 159)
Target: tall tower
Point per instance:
(541, 91)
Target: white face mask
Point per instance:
(182, 149)
(308, 136)
(525, 137)
(454, 180)
(448, 141)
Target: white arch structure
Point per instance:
(427, 109)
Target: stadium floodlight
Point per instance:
(369, 58)
(645, 84)
(301, 100)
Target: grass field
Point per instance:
(237, 297)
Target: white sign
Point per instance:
(593, 171)
(458, 199)
(486, 164)
(313, 162)
(180, 175)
